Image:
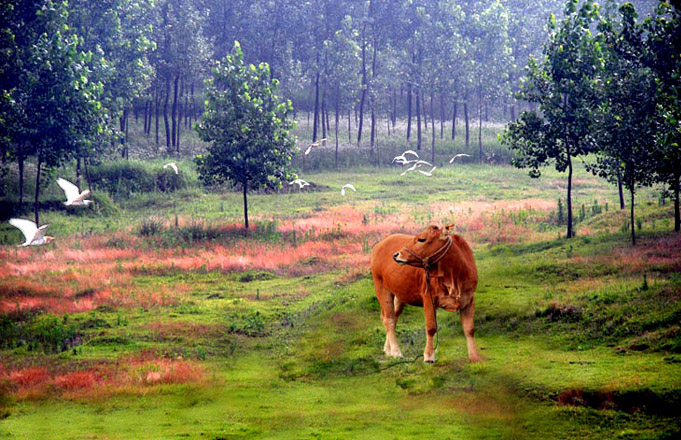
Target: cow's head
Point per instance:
(423, 245)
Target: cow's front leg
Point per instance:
(469, 331)
(430, 312)
(389, 322)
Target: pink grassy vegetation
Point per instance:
(65, 278)
(128, 375)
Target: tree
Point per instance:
(662, 46)
(627, 119)
(48, 96)
(563, 86)
(247, 126)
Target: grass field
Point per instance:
(162, 320)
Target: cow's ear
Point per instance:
(448, 230)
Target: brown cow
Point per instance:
(397, 266)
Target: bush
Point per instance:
(151, 226)
(168, 181)
(122, 179)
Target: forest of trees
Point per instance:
(73, 74)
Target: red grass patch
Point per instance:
(101, 380)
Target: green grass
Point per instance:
(576, 344)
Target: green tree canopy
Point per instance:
(247, 126)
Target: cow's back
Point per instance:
(403, 281)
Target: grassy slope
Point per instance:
(300, 357)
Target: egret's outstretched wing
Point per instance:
(69, 188)
(347, 186)
(27, 227)
(172, 165)
(411, 152)
(456, 156)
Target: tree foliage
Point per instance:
(247, 126)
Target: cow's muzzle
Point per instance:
(398, 258)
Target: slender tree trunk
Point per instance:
(372, 100)
(408, 111)
(454, 105)
(146, 115)
(364, 93)
(185, 107)
(480, 124)
(337, 120)
(245, 190)
(349, 125)
(37, 189)
(425, 112)
(394, 118)
(20, 161)
(87, 173)
(677, 213)
(432, 126)
(442, 117)
(323, 114)
(633, 225)
(513, 111)
(316, 108)
(174, 114)
(570, 232)
(620, 190)
(165, 114)
(78, 172)
(465, 118)
(418, 120)
(192, 108)
(157, 101)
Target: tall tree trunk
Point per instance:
(245, 188)
(174, 115)
(323, 114)
(165, 114)
(442, 117)
(620, 190)
(454, 105)
(20, 162)
(408, 111)
(432, 125)
(480, 123)
(570, 232)
(372, 100)
(394, 118)
(157, 101)
(78, 160)
(364, 87)
(633, 225)
(316, 108)
(425, 112)
(337, 120)
(677, 213)
(513, 110)
(349, 125)
(465, 118)
(192, 108)
(418, 120)
(37, 188)
(121, 126)
(146, 115)
(87, 173)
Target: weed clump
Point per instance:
(560, 312)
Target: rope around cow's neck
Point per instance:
(427, 264)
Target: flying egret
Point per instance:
(456, 156)
(319, 143)
(34, 235)
(347, 186)
(172, 165)
(300, 182)
(417, 164)
(427, 173)
(73, 196)
(411, 152)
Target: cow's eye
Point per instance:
(421, 240)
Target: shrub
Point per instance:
(122, 179)
(151, 226)
(168, 181)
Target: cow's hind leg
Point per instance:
(469, 331)
(389, 318)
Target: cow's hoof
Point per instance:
(429, 361)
